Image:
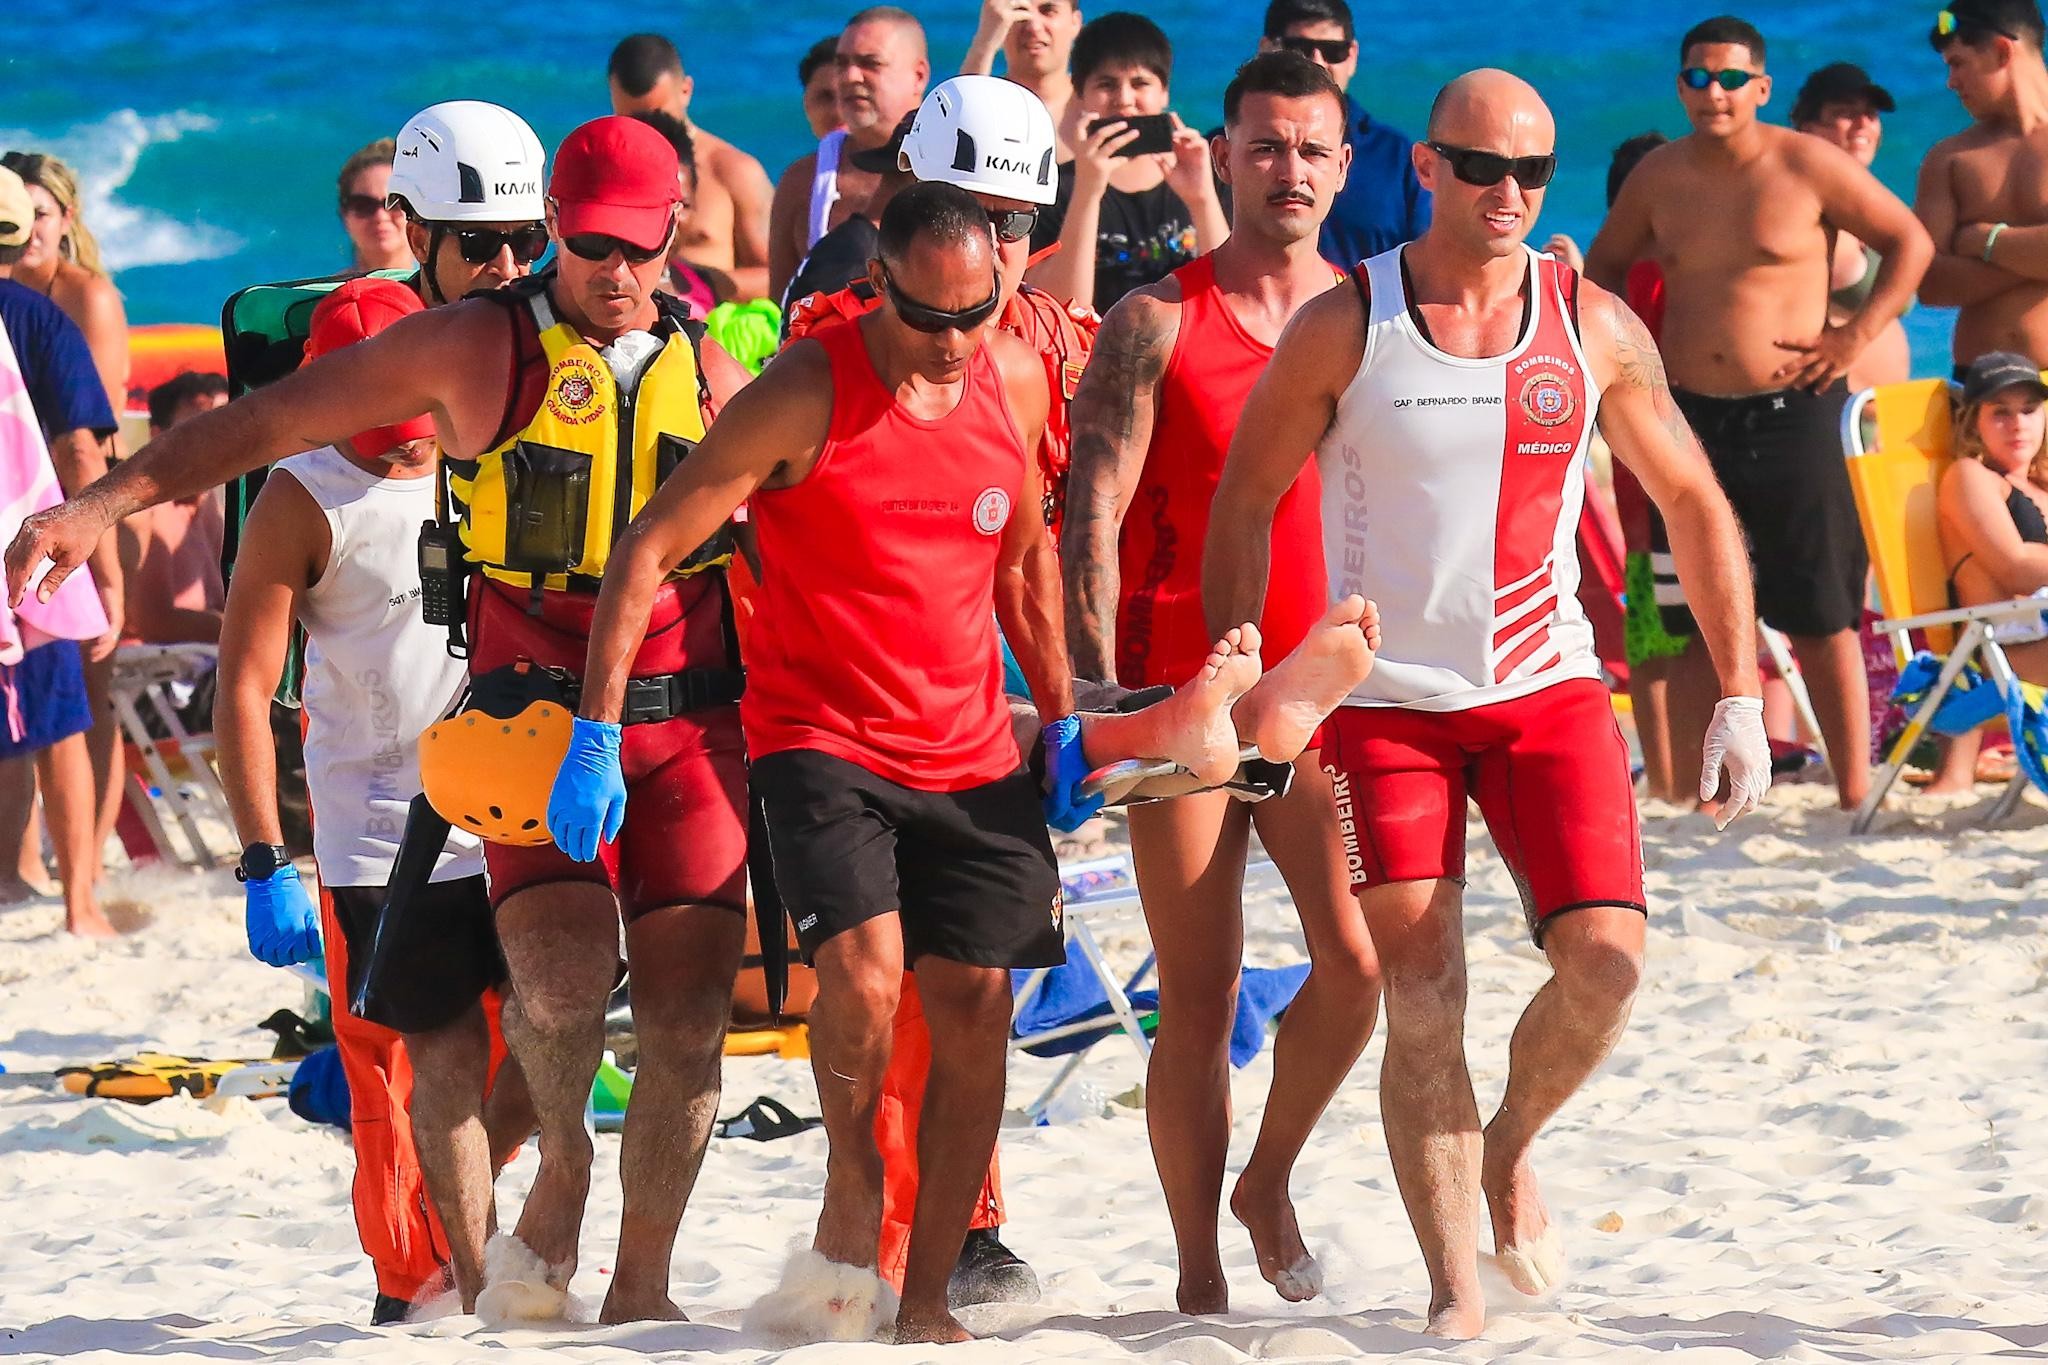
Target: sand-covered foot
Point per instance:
(89, 921)
(821, 1300)
(638, 1307)
(1281, 714)
(1284, 1258)
(1191, 728)
(923, 1328)
(519, 1286)
(1527, 1248)
(1456, 1318)
(552, 1220)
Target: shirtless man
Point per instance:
(1983, 193)
(610, 211)
(1738, 215)
(1459, 513)
(728, 227)
(882, 68)
(1153, 418)
(1036, 38)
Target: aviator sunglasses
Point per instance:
(921, 317)
(1729, 78)
(1490, 168)
(1333, 51)
(480, 245)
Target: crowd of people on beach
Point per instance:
(821, 545)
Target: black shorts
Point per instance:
(445, 954)
(1780, 460)
(971, 872)
(1673, 612)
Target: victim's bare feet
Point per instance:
(1526, 1246)
(1284, 1258)
(1193, 727)
(1297, 694)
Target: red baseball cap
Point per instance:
(619, 177)
(357, 311)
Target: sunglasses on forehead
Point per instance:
(1947, 24)
(1490, 168)
(1728, 78)
(479, 245)
(921, 317)
(1333, 51)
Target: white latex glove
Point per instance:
(1737, 746)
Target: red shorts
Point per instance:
(1550, 772)
(684, 841)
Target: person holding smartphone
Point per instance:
(1138, 201)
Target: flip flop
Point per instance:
(765, 1120)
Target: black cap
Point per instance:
(1978, 19)
(882, 160)
(1839, 81)
(2001, 370)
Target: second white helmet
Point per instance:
(466, 161)
(986, 135)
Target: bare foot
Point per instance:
(630, 1306)
(1526, 1245)
(1191, 728)
(1282, 713)
(1456, 1319)
(552, 1220)
(1203, 1295)
(88, 921)
(1284, 1259)
(937, 1327)
(519, 1286)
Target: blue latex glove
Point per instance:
(279, 916)
(588, 802)
(1066, 810)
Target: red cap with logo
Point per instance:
(619, 177)
(355, 312)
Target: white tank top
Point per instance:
(825, 185)
(1451, 496)
(376, 673)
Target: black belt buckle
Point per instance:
(647, 701)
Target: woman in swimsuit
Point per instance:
(1993, 514)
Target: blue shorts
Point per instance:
(49, 688)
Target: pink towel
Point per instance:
(28, 483)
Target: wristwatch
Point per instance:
(260, 861)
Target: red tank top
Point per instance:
(1162, 636)
(874, 633)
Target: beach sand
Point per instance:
(1824, 1138)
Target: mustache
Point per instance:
(1302, 197)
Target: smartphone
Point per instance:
(1155, 134)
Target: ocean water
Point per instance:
(209, 134)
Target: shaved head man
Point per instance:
(1457, 512)
(882, 69)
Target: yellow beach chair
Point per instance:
(1895, 475)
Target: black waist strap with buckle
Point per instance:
(668, 695)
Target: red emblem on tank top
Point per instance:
(1548, 400)
(991, 511)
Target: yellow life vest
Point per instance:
(553, 498)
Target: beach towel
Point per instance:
(1072, 994)
(1972, 701)
(28, 483)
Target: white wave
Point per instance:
(105, 154)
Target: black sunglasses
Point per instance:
(599, 246)
(924, 318)
(480, 245)
(1013, 225)
(1490, 168)
(1728, 78)
(1333, 51)
(360, 205)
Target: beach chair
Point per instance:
(191, 799)
(1895, 474)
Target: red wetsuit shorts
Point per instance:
(684, 841)
(1550, 772)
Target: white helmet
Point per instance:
(465, 161)
(985, 134)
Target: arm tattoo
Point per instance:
(1112, 422)
(1638, 365)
